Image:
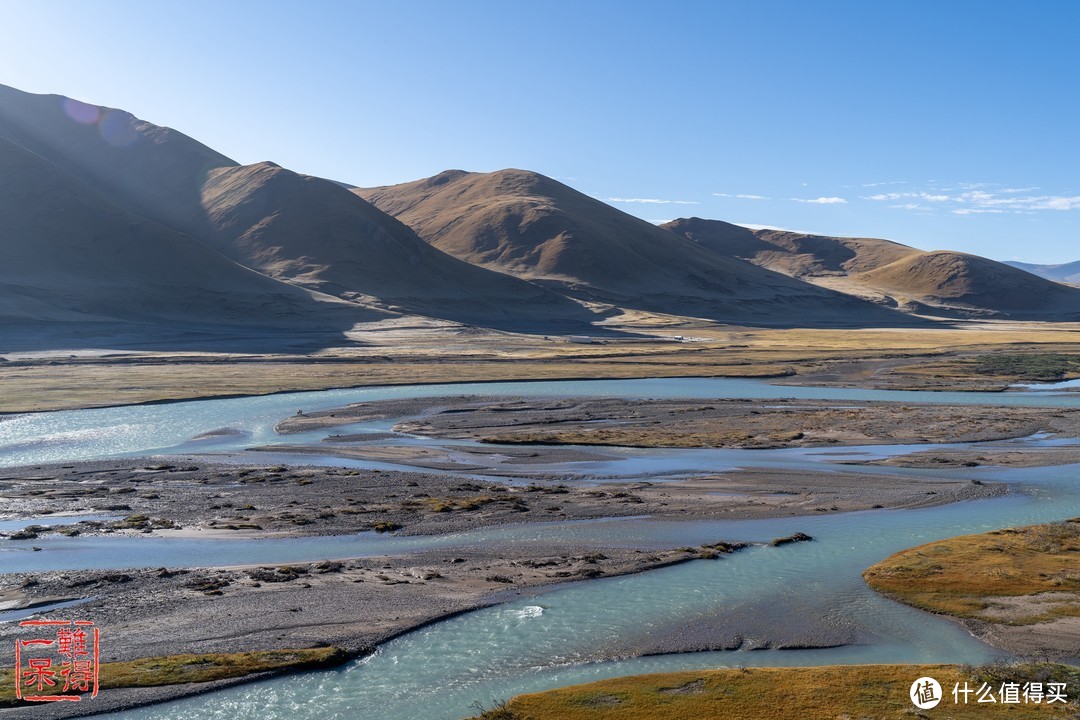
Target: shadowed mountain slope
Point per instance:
(295, 228)
(795, 254)
(316, 233)
(150, 170)
(534, 227)
(935, 283)
(67, 254)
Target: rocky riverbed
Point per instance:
(209, 605)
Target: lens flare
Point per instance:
(116, 128)
(82, 113)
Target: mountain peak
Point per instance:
(527, 224)
(446, 176)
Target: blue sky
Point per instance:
(943, 125)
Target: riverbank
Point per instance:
(1017, 588)
(696, 423)
(860, 691)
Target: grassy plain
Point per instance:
(935, 358)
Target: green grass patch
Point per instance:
(1042, 367)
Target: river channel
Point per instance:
(570, 634)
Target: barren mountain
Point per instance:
(1066, 272)
(534, 227)
(951, 280)
(933, 283)
(296, 228)
(316, 233)
(150, 170)
(795, 254)
(68, 254)
(510, 249)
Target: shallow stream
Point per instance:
(566, 635)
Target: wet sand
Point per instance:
(991, 454)
(192, 496)
(750, 628)
(1058, 638)
(751, 424)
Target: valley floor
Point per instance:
(359, 602)
(132, 370)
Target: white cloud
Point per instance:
(752, 226)
(980, 201)
(822, 200)
(984, 200)
(956, 198)
(914, 195)
(650, 201)
(1054, 203)
(741, 196)
(1057, 203)
(755, 226)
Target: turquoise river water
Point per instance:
(567, 635)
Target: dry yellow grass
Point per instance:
(865, 692)
(40, 388)
(53, 382)
(961, 576)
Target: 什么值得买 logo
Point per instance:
(926, 693)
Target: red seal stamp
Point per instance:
(59, 664)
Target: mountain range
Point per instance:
(1066, 272)
(531, 226)
(940, 283)
(297, 230)
(109, 219)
